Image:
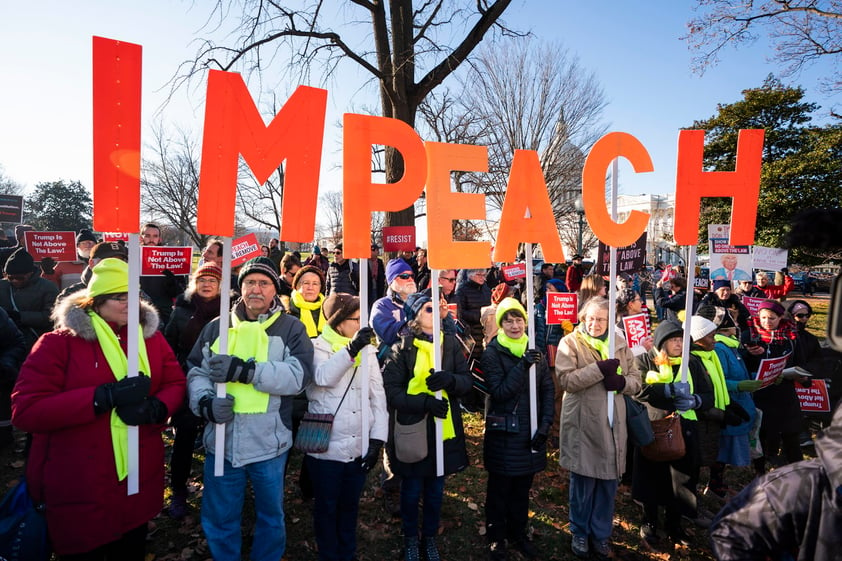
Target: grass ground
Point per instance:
(462, 532)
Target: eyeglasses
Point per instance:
(596, 320)
(336, 252)
(802, 316)
(262, 284)
(118, 297)
(207, 280)
(451, 279)
(406, 276)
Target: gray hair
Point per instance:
(598, 302)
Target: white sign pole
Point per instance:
(365, 406)
(437, 360)
(612, 286)
(224, 321)
(132, 360)
(530, 331)
(690, 267)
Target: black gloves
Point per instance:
(48, 266)
(128, 391)
(735, 414)
(360, 340)
(217, 410)
(230, 368)
(437, 407)
(370, 460)
(532, 356)
(441, 380)
(539, 441)
(150, 411)
(608, 366)
(173, 286)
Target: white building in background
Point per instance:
(661, 209)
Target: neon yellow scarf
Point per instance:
(248, 340)
(666, 374)
(717, 377)
(306, 315)
(418, 383)
(119, 364)
(338, 342)
(599, 345)
(731, 342)
(516, 346)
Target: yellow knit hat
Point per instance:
(110, 276)
(508, 305)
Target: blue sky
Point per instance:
(45, 99)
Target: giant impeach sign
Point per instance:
(233, 127)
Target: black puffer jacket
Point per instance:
(409, 408)
(470, 299)
(343, 278)
(507, 377)
(795, 512)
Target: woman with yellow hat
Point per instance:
(75, 395)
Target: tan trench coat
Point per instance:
(588, 445)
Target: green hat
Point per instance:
(109, 276)
(508, 305)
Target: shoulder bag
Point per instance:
(314, 431)
(669, 440)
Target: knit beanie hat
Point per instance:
(499, 292)
(262, 265)
(338, 307)
(308, 269)
(85, 236)
(667, 330)
(103, 250)
(700, 327)
(19, 263)
(209, 270)
(316, 250)
(625, 296)
(395, 267)
(508, 305)
(721, 283)
(717, 314)
(557, 284)
(772, 305)
(109, 276)
(412, 306)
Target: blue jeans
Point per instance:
(591, 506)
(222, 509)
(337, 488)
(412, 489)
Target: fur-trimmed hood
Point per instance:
(69, 316)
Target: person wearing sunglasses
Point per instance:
(411, 383)
(27, 297)
(75, 396)
(343, 275)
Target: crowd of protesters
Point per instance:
(297, 354)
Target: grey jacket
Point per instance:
(251, 438)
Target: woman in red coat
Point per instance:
(73, 394)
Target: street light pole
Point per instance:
(580, 210)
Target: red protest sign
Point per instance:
(243, 249)
(561, 306)
(814, 399)
(770, 369)
(752, 304)
(58, 246)
(115, 237)
(154, 260)
(637, 329)
(399, 238)
(512, 272)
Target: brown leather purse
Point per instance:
(669, 440)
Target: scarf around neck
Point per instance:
(515, 346)
(313, 329)
(119, 364)
(418, 382)
(714, 368)
(338, 342)
(599, 344)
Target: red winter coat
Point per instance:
(71, 464)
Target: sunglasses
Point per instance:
(802, 316)
(405, 276)
(428, 309)
(451, 279)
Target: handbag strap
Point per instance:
(348, 387)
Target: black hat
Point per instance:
(577, 256)
(262, 265)
(667, 330)
(85, 236)
(414, 303)
(104, 250)
(19, 263)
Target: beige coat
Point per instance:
(588, 445)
